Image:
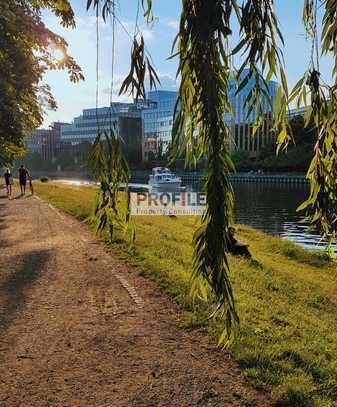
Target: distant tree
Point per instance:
(297, 155)
(242, 161)
(33, 161)
(66, 160)
(303, 135)
(151, 156)
(27, 50)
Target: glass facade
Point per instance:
(297, 112)
(241, 123)
(165, 132)
(123, 118)
(237, 101)
(162, 105)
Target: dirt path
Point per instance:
(78, 328)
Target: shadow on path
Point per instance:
(3, 224)
(13, 291)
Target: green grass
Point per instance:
(287, 306)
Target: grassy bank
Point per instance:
(288, 306)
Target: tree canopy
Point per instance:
(27, 49)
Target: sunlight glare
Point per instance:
(59, 54)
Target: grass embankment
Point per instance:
(288, 307)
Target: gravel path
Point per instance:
(78, 328)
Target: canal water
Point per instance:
(271, 207)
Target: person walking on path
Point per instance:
(31, 187)
(9, 182)
(23, 174)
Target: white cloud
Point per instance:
(129, 26)
(117, 83)
(174, 24)
(168, 82)
(147, 34)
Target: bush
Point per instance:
(242, 161)
(44, 179)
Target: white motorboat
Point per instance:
(162, 179)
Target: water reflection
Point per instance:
(272, 208)
(75, 182)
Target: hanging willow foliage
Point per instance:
(110, 169)
(200, 128)
(140, 67)
(205, 67)
(321, 206)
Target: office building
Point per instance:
(123, 118)
(160, 109)
(45, 142)
(161, 105)
(86, 126)
(146, 126)
(165, 133)
(241, 124)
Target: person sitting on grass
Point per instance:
(236, 247)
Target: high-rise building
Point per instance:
(241, 124)
(158, 105)
(161, 104)
(86, 126)
(155, 121)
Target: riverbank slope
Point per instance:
(288, 340)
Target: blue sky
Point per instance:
(73, 98)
